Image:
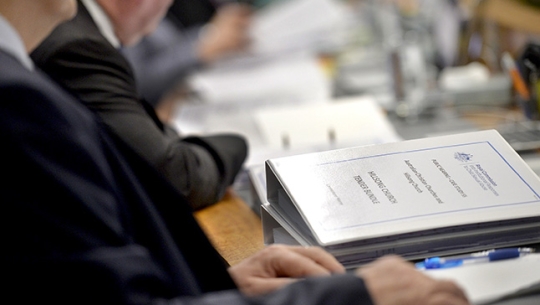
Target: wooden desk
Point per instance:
(234, 229)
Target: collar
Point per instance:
(102, 21)
(11, 42)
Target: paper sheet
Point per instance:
(486, 282)
(300, 25)
(350, 121)
(285, 79)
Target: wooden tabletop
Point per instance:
(233, 228)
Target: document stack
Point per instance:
(426, 197)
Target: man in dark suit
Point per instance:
(86, 221)
(82, 55)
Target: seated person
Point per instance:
(164, 58)
(101, 230)
(82, 56)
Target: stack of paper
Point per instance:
(295, 25)
(485, 283)
(418, 198)
(298, 129)
(291, 78)
(354, 120)
(282, 64)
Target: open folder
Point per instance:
(417, 198)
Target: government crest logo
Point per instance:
(463, 157)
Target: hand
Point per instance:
(279, 265)
(227, 32)
(393, 281)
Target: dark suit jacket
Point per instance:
(81, 60)
(86, 221)
(188, 13)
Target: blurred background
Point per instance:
(297, 76)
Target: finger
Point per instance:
(293, 264)
(446, 299)
(314, 260)
(452, 288)
(388, 262)
(321, 257)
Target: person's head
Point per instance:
(134, 19)
(35, 19)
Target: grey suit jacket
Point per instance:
(81, 60)
(163, 59)
(85, 220)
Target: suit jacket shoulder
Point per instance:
(77, 226)
(80, 59)
(74, 206)
(84, 63)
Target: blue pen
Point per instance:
(485, 256)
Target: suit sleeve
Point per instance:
(98, 75)
(62, 227)
(65, 235)
(335, 290)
